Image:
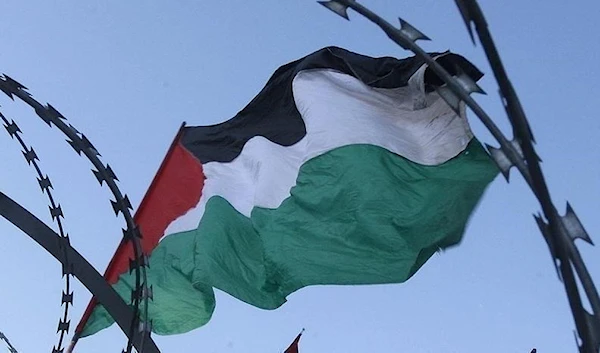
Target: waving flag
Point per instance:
(344, 169)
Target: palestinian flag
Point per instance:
(344, 169)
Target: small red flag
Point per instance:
(293, 348)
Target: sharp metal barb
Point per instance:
(545, 229)
(411, 32)
(573, 226)
(501, 159)
(141, 261)
(49, 114)
(56, 211)
(98, 176)
(133, 264)
(67, 298)
(513, 110)
(110, 173)
(45, 115)
(10, 86)
(55, 113)
(14, 84)
(76, 146)
(57, 350)
(12, 128)
(74, 130)
(88, 145)
(30, 155)
(101, 176)
(121, 204)
(141, 293)
(127, 204)
(82, 143)
(63, 326)
(468, 84)
(131, 233)
(463, 7)
(45, 183)
(4, 88)
(337, 7)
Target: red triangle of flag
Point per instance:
(293, 348)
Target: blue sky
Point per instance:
(128, 73)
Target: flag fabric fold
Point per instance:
(344, 169)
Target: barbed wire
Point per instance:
(139, 329)
(57, 215)
(560, 232)
(89, 277)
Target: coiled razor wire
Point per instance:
(103, 173)
(56, 213)
(48, 239)
(560, 232)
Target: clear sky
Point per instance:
(127, 73)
